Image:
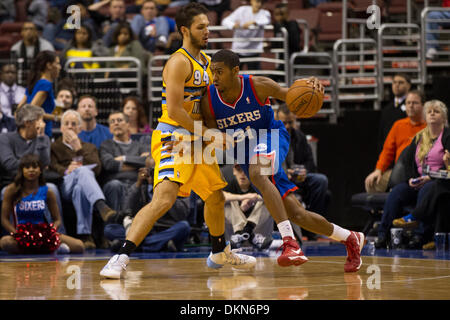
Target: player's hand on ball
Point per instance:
(316, 84)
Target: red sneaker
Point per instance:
(292, 253)
(354, 245)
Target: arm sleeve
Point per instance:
(230, 20)
(107, 157)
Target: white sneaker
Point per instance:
(115, 266)
(63, 249)
(228, 256)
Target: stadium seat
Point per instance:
(12, 30)
(311, 16)
(374, 202)
(397, 7)
(21, 10)
(330, 26)
(5, 46)
(331, 6)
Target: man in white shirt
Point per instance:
(10, 93)
(248, 22)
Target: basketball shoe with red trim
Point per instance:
(354, 245)
(292, 253)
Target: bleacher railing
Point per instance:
(441, 43)
(399, 51)
(320, 65)
(274, 61)
(130, 78)
(355, 82)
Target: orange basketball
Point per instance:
(304, 100)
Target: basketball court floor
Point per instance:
(384, 275)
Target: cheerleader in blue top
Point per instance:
(26, 200)
(39, 91)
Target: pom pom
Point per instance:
(37, 238)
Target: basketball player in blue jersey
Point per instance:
(185, 77)
(241, 103)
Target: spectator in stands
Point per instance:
(37, 11)
(121, 159)
(248, 22)
(400, 135)
(432, 27)
(117, 14)
(134, 109)
(64, 99)
(31, 44)
(395, 109)
(66, 94)
(29, 138)
(218, 6)
(82, 46)
(7, 124)
(91, 131)
(169, 233)
(313, 186)
(151, 30)
(124, 45)
(10, 92)
(39, 91)
(281, 16)
(19, 202)
(79, 164)
(7, 11)
(426, 151)
(245, 211)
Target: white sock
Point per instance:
(285, 229)
(339, 234)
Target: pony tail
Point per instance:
(424, 136)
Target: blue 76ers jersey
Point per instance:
(32, 207)
(246, 112)
(252, 123)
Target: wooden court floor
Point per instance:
(321, 278)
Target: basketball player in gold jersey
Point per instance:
(185, 78)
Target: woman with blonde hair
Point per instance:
(425, 153)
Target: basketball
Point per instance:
(303, 99)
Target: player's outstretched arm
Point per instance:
(266, 87)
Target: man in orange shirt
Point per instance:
(398, 138)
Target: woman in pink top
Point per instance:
(426, 152)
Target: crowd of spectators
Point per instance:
(107, 170)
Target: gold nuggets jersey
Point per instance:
(194, 88)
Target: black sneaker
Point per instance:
(261, 242)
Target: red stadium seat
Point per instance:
(397, 7)
(311, 16)
(330, 26)
(5, 46)
(21, 10)
(331, 6)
